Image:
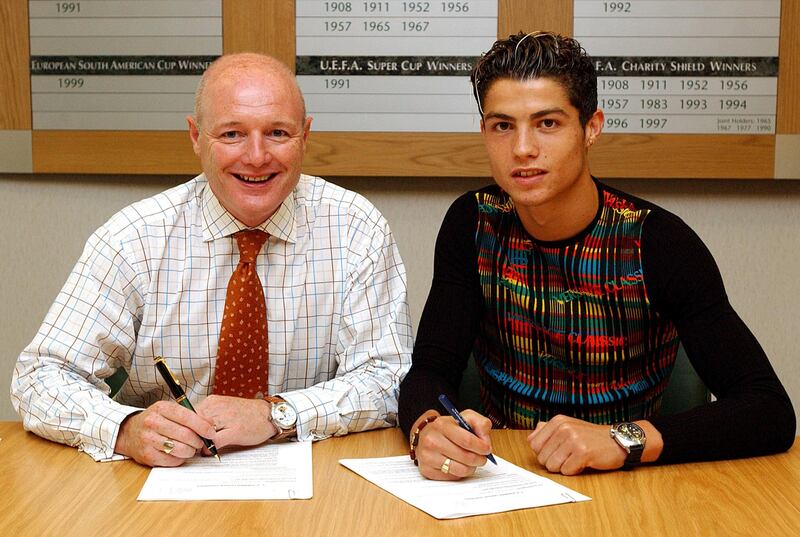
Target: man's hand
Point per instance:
(142, 436)
(445, 439)
(569, 445)
(238, 422)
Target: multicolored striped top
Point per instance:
(588, 327)
(568, 327)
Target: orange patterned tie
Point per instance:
(243, 355)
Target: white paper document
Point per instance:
(269, 472)
(493, 489)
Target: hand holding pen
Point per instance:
(449, 450)
(451, 409)
(180, 398)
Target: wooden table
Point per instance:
(50, 489)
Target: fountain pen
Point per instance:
(180, 396)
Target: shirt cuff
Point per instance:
(100, 430)
(317, 418)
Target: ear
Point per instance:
(194, 134)
(593, 128)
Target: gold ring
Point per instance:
(446, 466)
(167, 446)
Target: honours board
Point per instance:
(132, 65)
(684, 67)
(707, 87)
(397, 66)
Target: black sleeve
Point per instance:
(753, 414)
(449, 322)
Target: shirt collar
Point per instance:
(219, 223)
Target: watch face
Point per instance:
(630, 430)
(631, 438)
(284, 414)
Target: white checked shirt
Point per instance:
(152, 281)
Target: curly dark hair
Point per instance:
(540, 55)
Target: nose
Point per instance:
(525, 144)
(257, 151)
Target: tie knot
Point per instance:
(250, 242)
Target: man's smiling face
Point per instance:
(250, 137)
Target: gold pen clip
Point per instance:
(161, 359)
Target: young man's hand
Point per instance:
(444, 440)
(568, 445)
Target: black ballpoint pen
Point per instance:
(457, 415)
(180, 396)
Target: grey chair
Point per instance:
(684, 391)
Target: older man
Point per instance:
(325, 337)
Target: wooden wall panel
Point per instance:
(681, 156)
(615, 155)
(265, 26)
(788, 121)
(15, 79)
(422, 154)
(112, 152)
(526, 15)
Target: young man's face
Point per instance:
(251, 140)
(536, 144)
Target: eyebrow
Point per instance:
(227, 124)
(535, 115)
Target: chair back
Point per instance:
(469, 393)
(116, 381)
(685, 389)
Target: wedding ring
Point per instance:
(168, 445)
(446, 466)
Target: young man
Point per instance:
(322, 354)
(573, 298)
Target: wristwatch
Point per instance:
(631, 438)
(283, 416)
